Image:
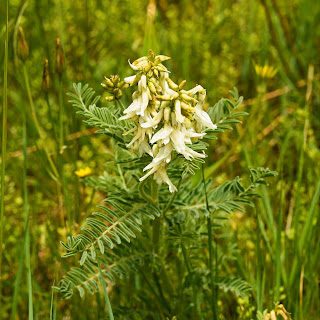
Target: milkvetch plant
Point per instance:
(166, 117)
(171, 220)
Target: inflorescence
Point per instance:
(167, 118)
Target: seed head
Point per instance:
(59, 57)
(23, 50)
(45, 75)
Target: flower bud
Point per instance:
(151, 55)
(123, 85)
(148, 67)
(160, 59)
(109, 82)
(187, 107)
(171, 84)
(156, 73)
(115, 79)
(45, 75)
(188, 98)
(59, 57)
(182, 84)
(23, 50)
(117, 93)
(174, 96)
(152, 87)
(163, 98)
(158, 87)
(161, 67)
(114, 86)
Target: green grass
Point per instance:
(4, 141)
(215, 43)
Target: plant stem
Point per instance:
(51, 117)
(213, 274)
(168, 206)
(106, 296)
(278, 242)
(26, 240)
(259, 286)
(52, 306)
(4, 140)
(61, 137)
(142, 192)
(194, 290)
(27, 214)
(158, 298)
(157, 222)
(55, 174)
(122, 107)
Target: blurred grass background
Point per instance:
(212, 42)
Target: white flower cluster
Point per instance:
(167, 117)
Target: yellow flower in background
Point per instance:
(83, 172)
(266, 71)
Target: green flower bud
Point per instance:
(109, 82)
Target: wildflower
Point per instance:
(83, 172)
(266, 71)
(167, 117)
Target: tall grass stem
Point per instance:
(4, 141)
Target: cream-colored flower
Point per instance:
(167, 117)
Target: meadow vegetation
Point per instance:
(56, 169)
